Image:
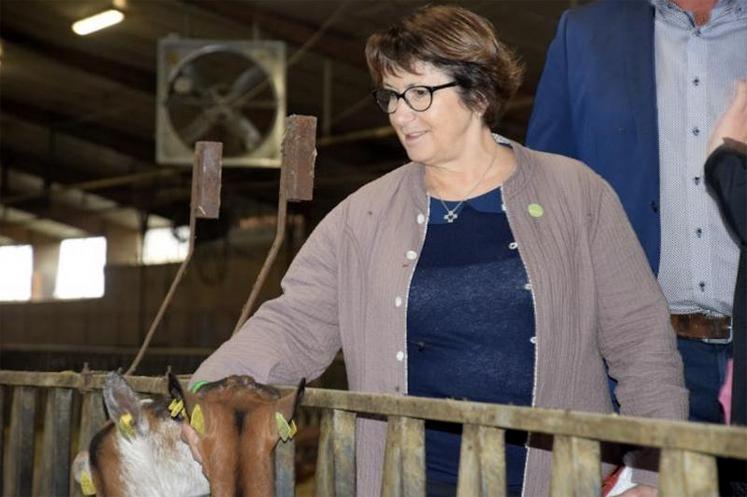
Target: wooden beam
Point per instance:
(333, 44)
(124, 143)
(125, 74)
(26, 234)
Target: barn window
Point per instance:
(80, 272)
(16, 268)
(162, 245)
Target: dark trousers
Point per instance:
(705, 371)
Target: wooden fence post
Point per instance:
(285, 468)
(92, 418)
(482, 462)
(687, 474)
(325, 476)
(2, 435)
(343, 448)
(404, 455)
(576, 468)
(54, 479)
(19, 457)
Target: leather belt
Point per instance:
(702, 327)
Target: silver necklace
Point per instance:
(451, 214)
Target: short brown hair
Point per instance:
(456, 41)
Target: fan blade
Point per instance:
(199, 126)
(243, 128)
(246, 81)
(263, 104)
(189, 101)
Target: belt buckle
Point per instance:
(721, 341)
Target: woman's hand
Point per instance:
(640, 491)
(732, 123)
(190, 436)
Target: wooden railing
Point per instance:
(37, 446)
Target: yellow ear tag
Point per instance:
(535, 210)
(197, 420)
(176, 408)
(86, 484)
(285, 430)
(125, 425)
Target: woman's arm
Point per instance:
(295, 335)
(635, 334)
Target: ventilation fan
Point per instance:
(227, 91)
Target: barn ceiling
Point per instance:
(78, 114)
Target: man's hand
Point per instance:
(641, 491)
(732, 123)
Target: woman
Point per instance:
(480, 270)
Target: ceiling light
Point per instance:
(97, 22)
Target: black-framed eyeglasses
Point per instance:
(418, 98)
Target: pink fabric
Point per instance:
(725, 395)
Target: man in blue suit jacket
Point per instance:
(631, 87)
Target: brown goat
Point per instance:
(231, 424)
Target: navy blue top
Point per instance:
(470, 318)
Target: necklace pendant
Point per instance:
(450, 216)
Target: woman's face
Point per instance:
(439, 134)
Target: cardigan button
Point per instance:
(400, 356)
(398, 302)
(411, 255)
(421, 219)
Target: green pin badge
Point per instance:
(535, 210)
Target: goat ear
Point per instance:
(175, 388)
(82, 473)
(289, 404)
(122, 404)
(178, 393)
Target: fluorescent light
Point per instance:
(97, 22)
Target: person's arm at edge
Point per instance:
(726, 175)
(726, 166)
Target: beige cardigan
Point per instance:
(594, 294)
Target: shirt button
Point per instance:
(696, 180)
(528, 286)
(398, 301)
(697, 32)
(421, 219)
(702, 286)
(400, 356)
(696, 131)
(696, 81)
(513, 245)
(533, 340)
(411, 255)
(699, 232)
